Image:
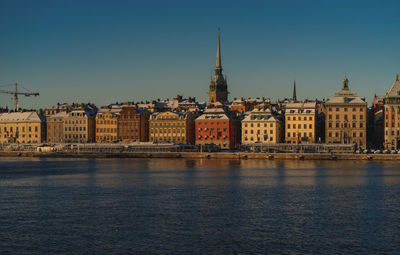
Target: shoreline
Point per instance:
(205, 155)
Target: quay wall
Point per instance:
(205, 155)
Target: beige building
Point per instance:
(22, 127)
(346, 118)
(392, 116)
(79, 126)
(261, 126)
(301, 122)
(55, 127)
(172, 127)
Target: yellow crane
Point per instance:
(16, 93)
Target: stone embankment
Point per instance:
(206, 155)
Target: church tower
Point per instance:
(218, 86)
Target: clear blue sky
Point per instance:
(108, 51)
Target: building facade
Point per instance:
(216, 126)
(79, 126)
(172, 127)
(133, 124)
(261, 126)
(55, 127)
(107, 125)
(301, 122)
(392, 116)
(22, 127)
(218, 85)
(346, 118)
(57, 108)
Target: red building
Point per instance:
(133, 124)
(216, 126)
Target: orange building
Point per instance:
(107, 125)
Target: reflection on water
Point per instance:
(201, 206)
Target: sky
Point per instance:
(113, 51)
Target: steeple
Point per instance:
(294, 91)
(397, 77)
(218, 66)
(218, 86)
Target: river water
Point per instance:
(179, 206)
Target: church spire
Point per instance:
(397, 77)
(294, 91)
(218, 66)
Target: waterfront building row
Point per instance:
(343, 118)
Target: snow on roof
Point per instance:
(20, 117)
(394, 91)
(301, 105)
(213, 113)
(59, 115)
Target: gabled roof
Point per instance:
(394, 91)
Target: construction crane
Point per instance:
(16, 93)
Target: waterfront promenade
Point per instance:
(205, 155)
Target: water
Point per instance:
(178, 206)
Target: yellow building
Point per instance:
(22, 127)
(300, 122)
(261, 126)
(172, 127)
(107, 125)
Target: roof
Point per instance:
(20, 117)
(394, 91)
(302, 105)
(260, 114)
(345, 96)
(59, 115)
(214, 113)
